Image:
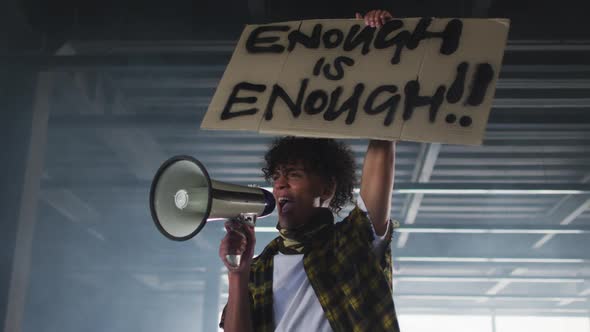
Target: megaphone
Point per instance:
(183, 199)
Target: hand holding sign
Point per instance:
(375, 18)
(420, 79)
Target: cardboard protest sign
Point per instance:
(416, 79)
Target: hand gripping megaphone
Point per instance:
(183, 198)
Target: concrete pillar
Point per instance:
(24, 131)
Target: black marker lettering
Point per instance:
(254, 39)
(312, 41)
(278, 91)
(399, 39)
(318, 66)
(450, 35)
(451, 118)
(353, 39)
(338, 67)
(227, 114)
(311, 106)
(328, 40)
(482, 78)
(391, 103)
(413, 99)
(334, 96)
(351, 105)
(465, 121)
(455, 92)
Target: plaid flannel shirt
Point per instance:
(353, 285)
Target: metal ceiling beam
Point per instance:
(181, 58)
(531, 129)
(228, 45)
(211, 82)
(471, 229)
(493, 188)
(488, 229)
(543, 129)
(479, 298)
(162, 284)
(136, 149)
(70, 205)
(194, 102)
(428, 307)
(484, 298)
(546, 69)
(487, 260)
(84, 91)
(428, 278)
(570, 210)
(118, 61)
(154, 46)
(566, 211)
(425, 162)
(404, 188)
(498, 287)
(451, 164)
(518, 148)
(173, 83)
(542, 84)
(541, 103)
(91, 89)
(547, 45)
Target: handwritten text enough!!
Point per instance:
(264, 39)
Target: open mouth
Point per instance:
(285, 204)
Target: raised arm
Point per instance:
(240, 239)
(377, 182)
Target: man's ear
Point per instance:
(328, 190)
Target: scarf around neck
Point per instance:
(295, 241)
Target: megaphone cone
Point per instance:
(183, 198)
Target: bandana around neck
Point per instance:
(295, 241)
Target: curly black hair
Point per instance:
(327, 158)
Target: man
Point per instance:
(317, 275)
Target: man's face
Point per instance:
(297, 193)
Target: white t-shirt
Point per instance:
(295, 305)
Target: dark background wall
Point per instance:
(184, 19)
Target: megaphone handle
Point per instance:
(250, 220)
